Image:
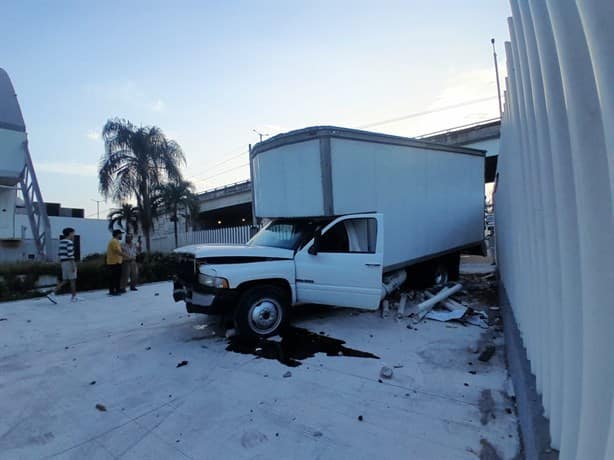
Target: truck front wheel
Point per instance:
(261, 312)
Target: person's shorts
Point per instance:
(67, 270)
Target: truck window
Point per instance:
(286, 233)
(350, 236)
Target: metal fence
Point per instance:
(554, 212)
(228, 235)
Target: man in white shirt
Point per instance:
(129, 265)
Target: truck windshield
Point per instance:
(285, 233)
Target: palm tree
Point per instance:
(136, 161)
(125, 213)
(175, 197)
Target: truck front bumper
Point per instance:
(200, 299)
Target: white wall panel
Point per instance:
(555, 241)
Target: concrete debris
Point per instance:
(446, 315)
(385, 308)
(386, 372)
(425, 307)
(476, 321)
(101, 407)
(182, 363)
(402, 304)
(287, 374)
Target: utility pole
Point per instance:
(494, 54)
(261, 135)
(97, 207)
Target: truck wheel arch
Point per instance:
(278, 282)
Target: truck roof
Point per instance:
(315, 132)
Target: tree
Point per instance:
(127, 214)
(176, 197)
(137, 161)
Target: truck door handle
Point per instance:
(373, 265)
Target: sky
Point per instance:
(211, 73)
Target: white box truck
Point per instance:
(350, 213)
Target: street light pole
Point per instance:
(261, 135)
(97, 207)
(494, 54)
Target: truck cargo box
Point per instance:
(431, 195)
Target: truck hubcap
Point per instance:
(264, 316)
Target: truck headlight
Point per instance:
(212, 281)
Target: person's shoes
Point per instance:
(51, 296)
(122, 291)
(133, 289)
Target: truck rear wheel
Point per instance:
(440, 275)
(262, 311)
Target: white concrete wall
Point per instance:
(94, 233)
(554, 210)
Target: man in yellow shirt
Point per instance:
(115, 257)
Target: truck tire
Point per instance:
(441, 274)
(454, 266)
(261, 312)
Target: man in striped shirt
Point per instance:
(69, 266)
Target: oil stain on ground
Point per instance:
(296, 345)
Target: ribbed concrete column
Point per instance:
(593, 191)
(551, 235)
(598, 20)
(531, 292)
(564, 194)
(519, 239)
(543, 290)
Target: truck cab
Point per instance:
(329, 261)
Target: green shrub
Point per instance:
(94, 256)
(18, 280)
(156, 266)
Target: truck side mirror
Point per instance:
(315, 247)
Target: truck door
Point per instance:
(346, 269)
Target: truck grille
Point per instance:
(185, 268)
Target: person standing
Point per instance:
(114, 262)
(129, 266)
(66, 254)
